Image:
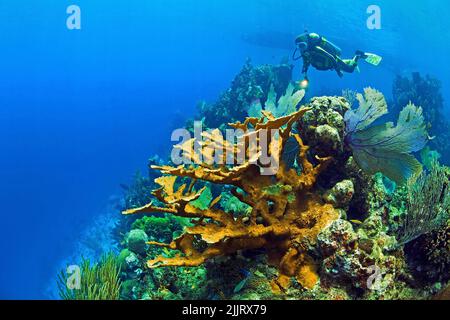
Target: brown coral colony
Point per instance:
(285, 222)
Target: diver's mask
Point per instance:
(302, 46)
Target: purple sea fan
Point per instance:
(385, 148)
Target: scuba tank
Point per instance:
(326, 45)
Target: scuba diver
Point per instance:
(323, 55)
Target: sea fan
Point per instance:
(286, 105)
(385, 148)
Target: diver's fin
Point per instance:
(372, 58)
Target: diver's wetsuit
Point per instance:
(323, 55)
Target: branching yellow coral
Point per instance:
(287, 212)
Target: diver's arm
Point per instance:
(306, 65)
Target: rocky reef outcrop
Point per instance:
(425, 91)
(321, 226)
(286, 217)
(251, 83)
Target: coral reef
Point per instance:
(385, 148)
(323, 129)
(320, 218)
(341, 194)
(287, 104)
(429, 256)
(284, 220)
(323, 125)
(426, 92)
(162, 229)
(135, 195)
(427, 204)
(352, 257)
(315, 216)
(252, 83)
(427, 229)
(137, 240)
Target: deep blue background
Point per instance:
(81, 111)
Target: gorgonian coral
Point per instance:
(251, 83)
(426, 91)
(287, 211)
(385, 148)
(432, 253)
(287, 104)
(427, 204)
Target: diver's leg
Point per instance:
(347, 65)
(339, 73)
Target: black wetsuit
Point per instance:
(323, 55)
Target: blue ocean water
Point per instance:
(82, 110)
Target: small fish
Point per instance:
(358, 222)
(244, 281)
(240, 285)
(259, 274)
(245, 272)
